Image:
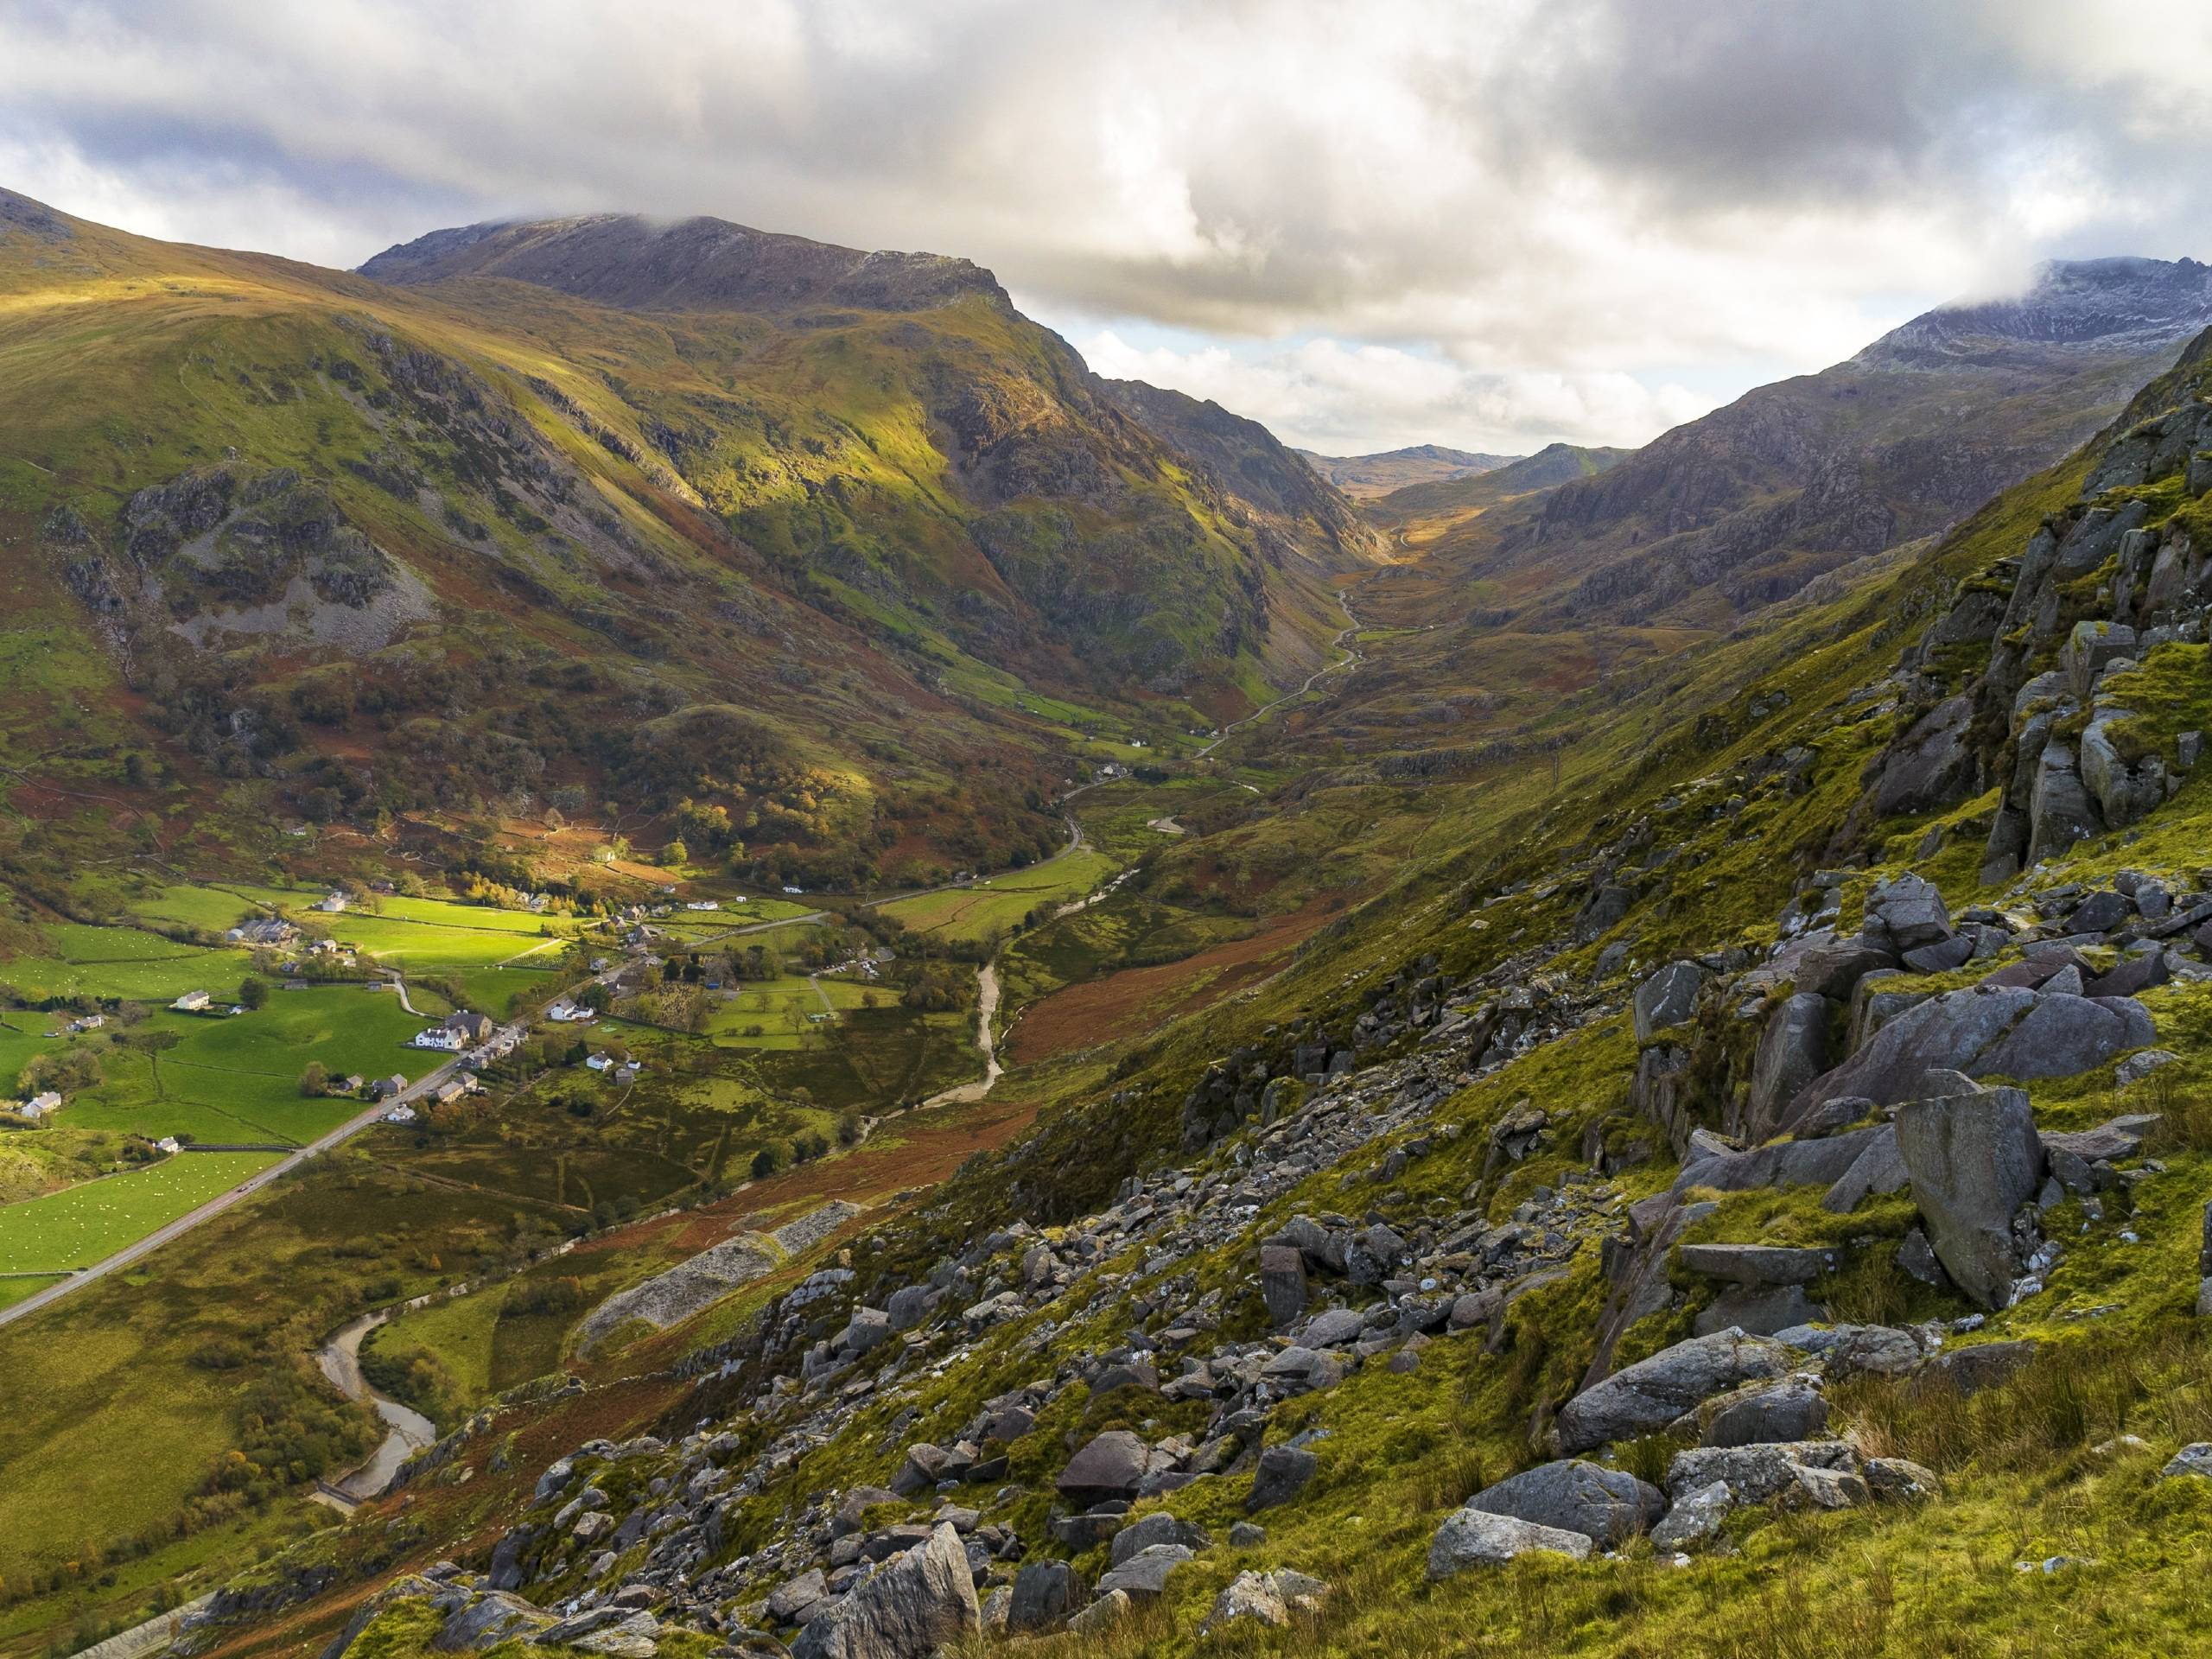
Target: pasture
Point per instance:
(81, 1224)
(999, 902)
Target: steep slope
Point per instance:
(1458, 1268)
(1363, 477)
(1745, 507)
(473, 546)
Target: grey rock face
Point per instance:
(1158, 1528)
(1907, 912)
(1974, 1161)
(919, 1602)
(1652, 1393)
(1144, 1574)
(1282, 1473)
(1756, 1264)
(1045, 1593)
(1696, 1516)
(1608, 1506)
(1667, 998)
(1793, 1051)
(1790, 1412)
(1932, 765)
(1478, 1538)
(1756, 1473)
(1282, 1282)
(1110, 1466)
(1762, 1311)
(2060, 810)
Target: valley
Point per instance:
(702, 954)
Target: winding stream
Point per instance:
(410, 1431)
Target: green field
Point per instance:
(81, 1226)
(785, 1010)
(236, 1078)
(123, 961)
(1001, 901)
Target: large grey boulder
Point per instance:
(1763, 1310)
(1478, 1538)
(1974, 1159)
(1045, 1593)
(916, 1603)
(1282, 1473)
(1906, 912)
(1983, 1030)
(1158, 1528)
(1654, 1392)
(1111, 1466)
(1793, 1051)
(1784, 1163)
(2061, 811)
(1833, 968)
(1266, 1599)
(1282, 1282)
(1932, 765)
(1144, 1574)
(1667, 998)
(1695, 1516)
(1756, 1473)
(1788, 1412)
(1608, 1506)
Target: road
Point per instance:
(213, 1207)
(407, 1431)
(1347, 660)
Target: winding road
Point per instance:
(1349, 658)
(410, 1431)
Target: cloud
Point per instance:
(1567, 206)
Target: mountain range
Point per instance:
(1072, 1042)
(1363, 477)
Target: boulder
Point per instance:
(1282, 1474)
(789, 1602)
(1282, 1282)
(916, 1603)
(1333, 1328)
(1102, 1614)
(1478, 1538)
(1045, 1593)
(1974, 1159)
(1785, 1163)
(1783, 1414)
(2193, 1460)
(1969, 1370)
(1833, 969)
(1607, 1506)
(1695, 1516)
(1667, 998)
(1761, 1311)
(1905, 911)
(1112, 1466)
(1158, 1528)
(1266, 1599)
(1144, 1574)
(1654, 1392)
(1899, 1480)
(1879, 1168)
(1933, 763)
(1793, 1051)
(1756, 1473)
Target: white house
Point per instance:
(168, 1143)
(703, 903)
(440, 1037)
(191, 1003)
(402, 1113)
(39, 1105)
(598, 1062)
(332, 902)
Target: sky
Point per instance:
(1490, 226)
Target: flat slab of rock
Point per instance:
(1651, 1393)
(1756, 1264)
(1144, 1574)
(1478, 1538)
(1110, 1466)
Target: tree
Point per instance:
(768, 1161)
(314, 1079)
(675, 853)
(253, 993)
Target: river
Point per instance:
(410, 1431)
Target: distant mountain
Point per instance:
(1553, 465)
(688, 264)
(625, 513)
(1364, 476)
(1746, 505)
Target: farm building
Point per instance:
(191, 1003)
(387, 1087)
